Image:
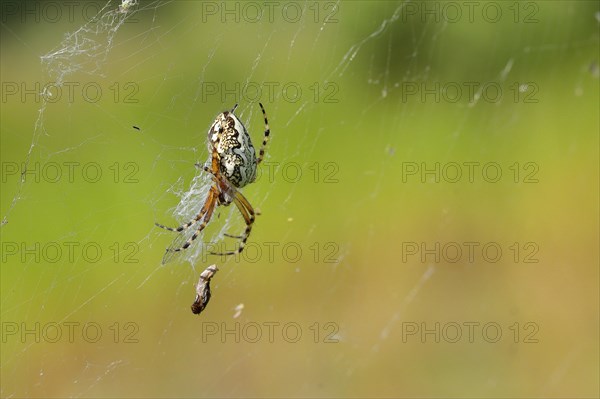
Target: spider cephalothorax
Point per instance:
(232, 164)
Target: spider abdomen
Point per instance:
(237, 158)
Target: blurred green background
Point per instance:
(364, 101)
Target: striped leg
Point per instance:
(214, 165)
(211, 203)
(188, 224)
(249, 216)
(261, 154)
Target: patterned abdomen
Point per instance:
(237, 158)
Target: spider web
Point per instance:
(372, 105)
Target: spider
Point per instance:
(232, 165)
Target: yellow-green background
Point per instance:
(167, 50)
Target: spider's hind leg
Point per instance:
(261, 153)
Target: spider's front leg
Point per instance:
(205, 207)
(188, 224)
(249, 216)
(209, 205)
(185, 226)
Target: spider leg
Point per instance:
(204, 208)
(211, 203)
(261, 153)
(214, 165)
(188, 224)
(248, 214)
